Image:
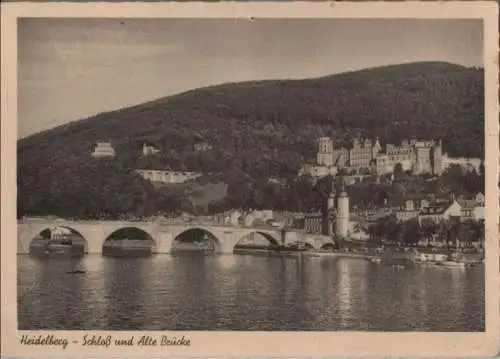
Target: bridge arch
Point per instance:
(130, 241)
(327, 246)
(197, 239)
(257, 240)
(308, 245)
(57, 240)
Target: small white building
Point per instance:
(59, 232)
(104, 149)
(234, 218)
(167, 176)
(404, 215)
(202, 147)
(471, 210)
(149, 150)
(480, 199)
(317, 171)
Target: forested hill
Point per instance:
(267, 128)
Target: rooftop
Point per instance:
(435, 208)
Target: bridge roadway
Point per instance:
(163, 233)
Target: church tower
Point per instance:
(342, 219)
(330, 206)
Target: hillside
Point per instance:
(256, 129)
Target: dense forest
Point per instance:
(254, 130)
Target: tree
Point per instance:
(399, 172)
(411, 232)
(428, 229)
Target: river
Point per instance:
(245, 292)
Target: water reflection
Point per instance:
(93, 288)
(203, 292)
(124, 292)
(53, 294)
(351, 286)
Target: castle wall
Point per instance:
(416, 156)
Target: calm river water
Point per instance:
(244, 292)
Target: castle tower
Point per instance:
(437, 161)
(422, 160)
(325, 151)
(342, 219)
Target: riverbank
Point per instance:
(416, 257)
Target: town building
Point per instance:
(103, 149)
(471, 210)
(167, 176)
(316, 223)
(440, 211)
(149, 150)
(411, 208)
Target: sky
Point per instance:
(69, 69)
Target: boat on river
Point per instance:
(76, 271)
(294, 249)
(455, 264)
(61, 247)
(353, 255)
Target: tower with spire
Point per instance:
(342, 217)
(331, 199)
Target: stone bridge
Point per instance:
(163, 234)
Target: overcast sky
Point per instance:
(74, 68)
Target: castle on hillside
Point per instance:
(415, 156)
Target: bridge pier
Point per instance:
(227, 242)
(95, 237)
(164, 242)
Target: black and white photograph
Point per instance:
(251, 175)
